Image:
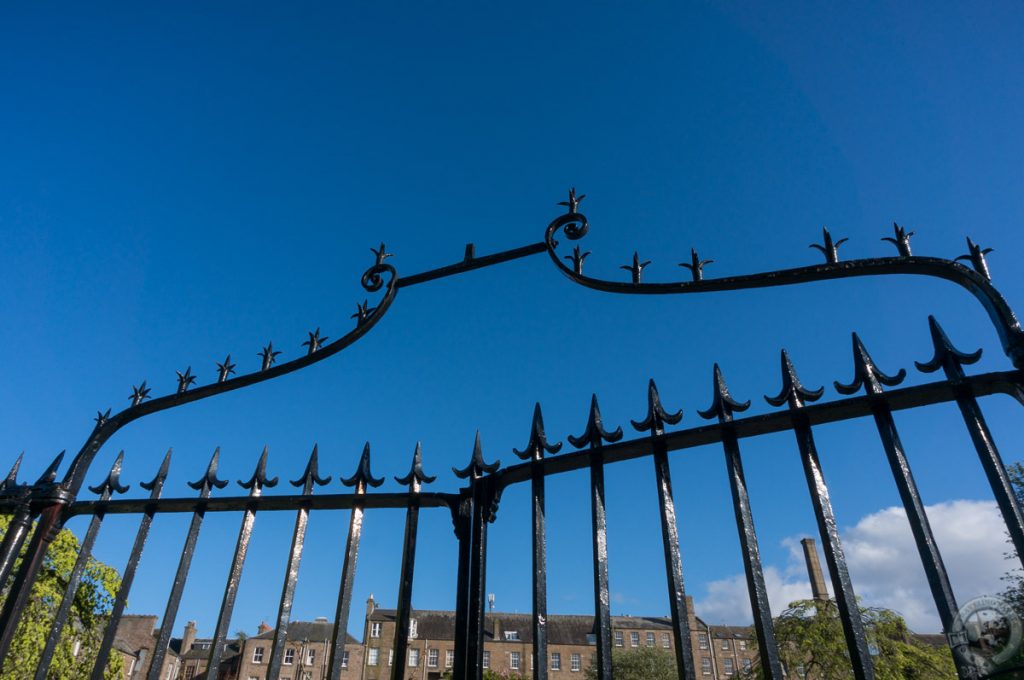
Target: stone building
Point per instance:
(135, 641)
(306, 649)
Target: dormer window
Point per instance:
(412, 628)
(511, 635)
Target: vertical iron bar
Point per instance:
(14, 539)
(540, 573)
(462, 519)
(602, 601)
(478, 581)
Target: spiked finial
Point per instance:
(829, 248)
(209, 480)
(315, 341)
(381, 254)
(269, 356)
(102, 417)
(225, 369)
(139, 394)
(574, 201)
(477, 467)
(577, 260)
(723, 405)
(901, 239)
(696, 265)
(595, 433)
(185, 380)
(866, 374)
(538, 442)
(637, 268)
(657, 416)
(976, 254)
(112, 484)
(947, 357)
(363, 475)
(311, 475)
(793, 391)
(157, 484)
(363, 312)
(259, 478)
(416, 477)
(10, 482)
(50, 473)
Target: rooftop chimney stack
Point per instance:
(818, 590)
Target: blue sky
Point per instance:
(182, 184)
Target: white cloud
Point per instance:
(885, 566)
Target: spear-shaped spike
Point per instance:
(381, 254)
(574, 201)
(10, 482)
(866, 374)
(946, 355)
(901, 239)
(102, 417)
(269, 356)
(416, 476)
(577, 258)
(311, 475)
(225, 369)
(657, 416)
(829, 248)
(185, 380)
(363, 312)
(161, 474)
(976, 254)
(363, 473)
(538, 442)
(477, 467)
(209, 479)
(50, 473)
(139, 394)
(315, 341)
(793, 391)
(595, 434)
(722, 405)
(637, 268)
(259, 477)
(696, 265)
(112, 484)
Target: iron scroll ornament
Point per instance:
(379, 275)
(574, 226)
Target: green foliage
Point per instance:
(810, 635)
(643, 663)
(88, 617)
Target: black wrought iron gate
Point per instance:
(38, 511)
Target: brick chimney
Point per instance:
(371, 606)
(818, 589)
(189, 638)
(263, 628)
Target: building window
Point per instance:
(375, 629)
(372, 656)
(650, 639)
(666, 640)
(727, 664)
(412, 628)
(257, 655)
(414, 658)
(487, 659)
(702, 638)
(574, 663)
(725, 645)
(344, 659)
(634, 639)
(591, 638)
(556, 661)
(432, 658)
(190, 672)
(513, 660)
(705, 666)
(307, 675)
(310, 657)
(511, 634)
(742, 644)
(746, 664)
(800, 672)
(618, 638)
(289, 656)
(449, 658)
(391, 657)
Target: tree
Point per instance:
(810, 636)
(86, 622)
(643, 663)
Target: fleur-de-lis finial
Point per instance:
(112, 484)
(259, 478)
(636, 268)
(363, 477)
(268, 355)
(722, 405)
(477, 467)
(577, 260)
(140, 393)
(657, 416)
(10, 482)
(793, 391)
(381, 254)
(224, 369)
(946, 357)
(595, 434)
(49, 475)
(363, 312)
(829, 248)
(695, 265)
(102, 417)
(311, 475)
(157, 483)
(416, 477)
(209, 479)
(901, 239)
(185, 380)
(976, 254)
(574, 201)
(866, 374)
(538, 442)
(315, 341)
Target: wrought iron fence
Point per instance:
(48, 504)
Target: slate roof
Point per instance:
(309, 630)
